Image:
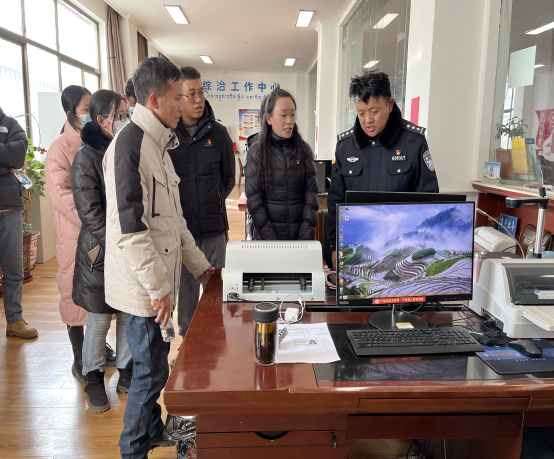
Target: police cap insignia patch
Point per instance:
(352, 159)
(429, 161)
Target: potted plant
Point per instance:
(35, 171)
(514, 129)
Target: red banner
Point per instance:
(544, 132)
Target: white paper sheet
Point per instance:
(307, 343)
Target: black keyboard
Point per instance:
(439, 340)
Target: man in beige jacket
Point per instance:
(146, 241)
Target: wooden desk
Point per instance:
(215, 378)
(242, 202)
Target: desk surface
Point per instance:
(215, 373)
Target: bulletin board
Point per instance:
(248, 122)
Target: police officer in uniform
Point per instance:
(382, 152)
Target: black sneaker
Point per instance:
(159, 440)
(77, 369)
(96, 392)
(110, 356)
(125, 376)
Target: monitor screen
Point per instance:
(404, 253)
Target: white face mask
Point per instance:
(118, 126)
(131, 110)
(84, 119)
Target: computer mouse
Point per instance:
(527, 348)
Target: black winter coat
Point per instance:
(396, 160)
(288, 210)
(13, 148)
(205, 164)
(89, 193)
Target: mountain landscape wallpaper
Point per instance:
(391, 251)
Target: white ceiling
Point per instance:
(528, 15)
(220, 28)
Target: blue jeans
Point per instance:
(94, 347)
(11, 259)
(143, 414)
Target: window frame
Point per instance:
(24, 42)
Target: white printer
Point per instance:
(519, 294)
(491, 240)
(271, 270)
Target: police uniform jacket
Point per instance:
(398, 159)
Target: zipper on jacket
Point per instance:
(94, 262)
(218, 192)
(286, 190)
(154, 214)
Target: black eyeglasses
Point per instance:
(122, 117)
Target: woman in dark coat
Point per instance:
(109, 114)
(281, 184)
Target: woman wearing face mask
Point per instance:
(109, 114)
(75, 102)
(281, 184)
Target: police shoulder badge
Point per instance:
(352, 159)
(429, 161)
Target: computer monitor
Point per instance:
(401, 254)
(368, 197)
(323, 168)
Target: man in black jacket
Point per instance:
(205, 163)
(13, 148)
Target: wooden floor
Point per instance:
(43, 408)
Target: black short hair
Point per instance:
(129, 89)
(190, 73)
(71, 98)
(370, 84)
(154, 75)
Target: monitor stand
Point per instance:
(387, 320)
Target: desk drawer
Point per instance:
(466, 426)
(442, 405)
(253, 439)
(294, 452)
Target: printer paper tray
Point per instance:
(542, 316)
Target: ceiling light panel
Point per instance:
(371, 64)
(538, 66)
(207, 59)
(176, 14)
(386, 20)
(304, 18)
(289, 62)
(541, 29)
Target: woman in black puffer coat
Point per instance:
(281, 184)
(109, 114)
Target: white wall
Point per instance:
(327, 94)
(451, 66)
(227, 109)
(420, 51)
